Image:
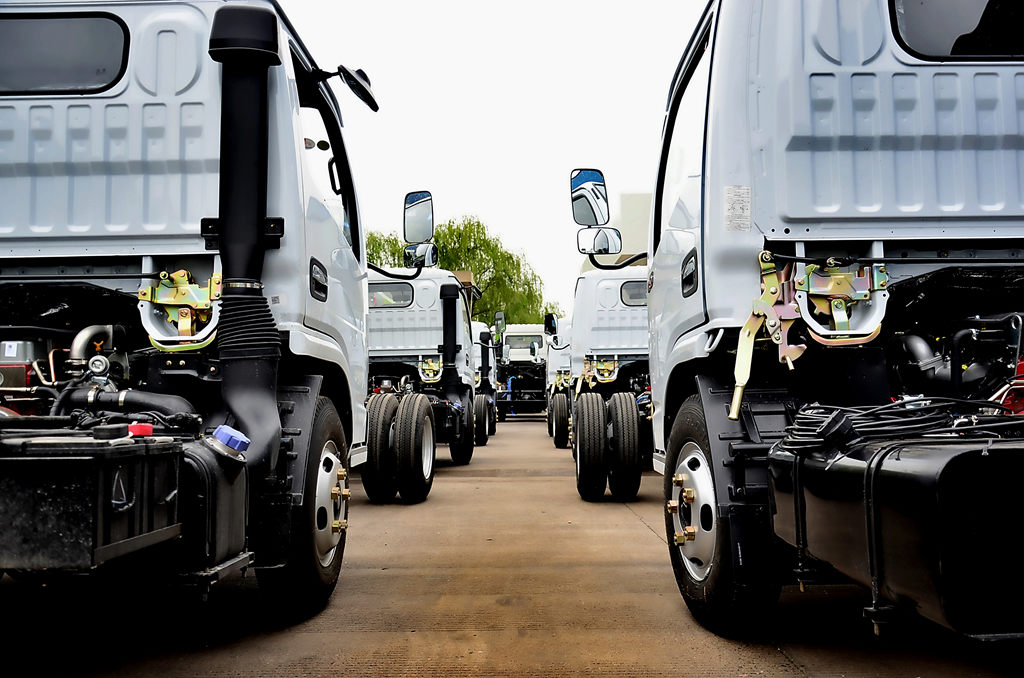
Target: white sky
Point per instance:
(490, 106)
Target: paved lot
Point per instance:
(503, 571)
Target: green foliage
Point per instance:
(507, 282)
(384, 249)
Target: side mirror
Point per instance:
(533, 349)
(418, 219)
(421, 255)
(550, 324)
(499, 322)
(589, 197)
(505, 353)
(599, 241)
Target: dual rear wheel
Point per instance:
(606, 446)
(400, 448)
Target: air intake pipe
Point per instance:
(244, 41)
(485, 354)
(449, 319)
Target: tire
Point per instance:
(591, 470)
(492, 419)
(624, 467)
(378, 473)
(704, 566)
(560, 420)
(304, 585)
(461, 448)
(480, 414)
(415, 447)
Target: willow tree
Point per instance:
(507, 281)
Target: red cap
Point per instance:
(140, 430)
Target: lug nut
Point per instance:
(346, 494)
(339, 526)
(677, 480)
(689, 533)
(672, 506)
(689, 495)
(342, 473)
(335, 493)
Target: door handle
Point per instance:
(317, 280)
(691, 281)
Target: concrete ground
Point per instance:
(502, 571)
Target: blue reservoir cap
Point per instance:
(233, 438)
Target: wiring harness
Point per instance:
(820, 427)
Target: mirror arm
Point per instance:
(396, 276)
(615, 267)
(556, 347)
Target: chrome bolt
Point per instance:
(773, 290)
(181, 363)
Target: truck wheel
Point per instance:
(624, 469)
(560, 420)
(305, 584)
(492, 419)
(378, 473)
(480, 414)
(414, 444)
(700, 545)
(591, 472)
(461, 448)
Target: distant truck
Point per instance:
(558, 379)
(422, 367)
(522, 371)
(609, 395)
(182, 280)
(486, 410)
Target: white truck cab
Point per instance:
(181, 253)
(559, 374)
(423, 366)
(835, 307)
(486, 352)
(608, 400)
(522, 370)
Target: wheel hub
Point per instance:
(331, 503)
(427, 448)
(694, 520)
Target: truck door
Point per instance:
(675, 279)
(334, 260)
